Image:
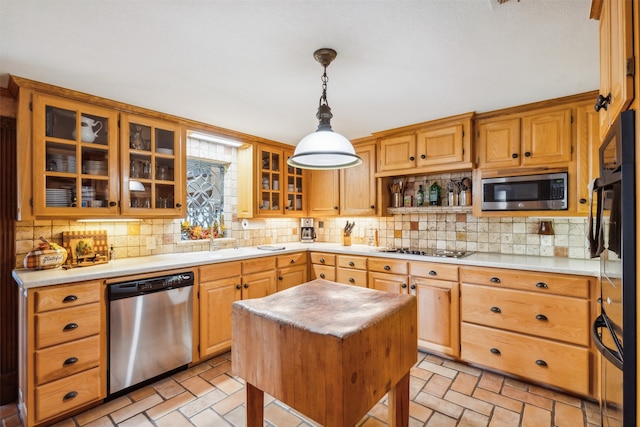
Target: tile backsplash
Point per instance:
(432, 230)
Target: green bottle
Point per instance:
(420, 197)
(434, 194)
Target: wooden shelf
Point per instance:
(432, 209)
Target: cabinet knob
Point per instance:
(70, 327)
(335, 207)
(422, 156)
(541, 317)
(495, 280)
(403, 286)
(322, 275)
(496, 309)
(70, 298)
(373, 206)
(386, 267)
(527, 154)
(293, 261)
(246, 285)
(238, 286)
(583, 201)
(321, 260)
(433, 273)
(352, 280)
(178, 205)
(70, 361)
(514, 156)
(542, 285)
(70, 395)
(280, 278)
(412, 158)
(412, 286)
(542, 363)
(602, 102)
(112, 204)
(352, 264)
(495, 351)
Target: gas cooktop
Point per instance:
(442, 253)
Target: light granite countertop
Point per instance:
(123, 268)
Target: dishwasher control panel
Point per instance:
(152, 284)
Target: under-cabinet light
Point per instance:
(214, 138)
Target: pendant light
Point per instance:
(324, 148)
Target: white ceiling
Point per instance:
(248, 65)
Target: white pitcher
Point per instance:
(87, 131)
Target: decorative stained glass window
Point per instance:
(205, 200)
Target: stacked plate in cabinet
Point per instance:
(57, 162)
(58, 197)
(95, 167)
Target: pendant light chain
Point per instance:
(324, 79)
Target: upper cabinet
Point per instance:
(616, 61)
(436, 146)
(75, 159)
(537, 138)
(152, 167)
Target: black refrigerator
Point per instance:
(612, 238)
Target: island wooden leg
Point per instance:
(398, 401)
(255, 406)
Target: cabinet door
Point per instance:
(75, 163)
(291, 276)
(438, 315)
(587, 145)
(438, 146)
(398, 152)
(152, 167)
(358, 184)
(546, 137)
(499, 143)
(319, 271)
(216, 298)
(258, 285)
(270, 179)
(395, 283)
(324, 189)
(294, 190)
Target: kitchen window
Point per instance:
(205, 200)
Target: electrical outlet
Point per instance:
(151, 243)
(320, 224)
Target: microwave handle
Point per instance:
(612, 356)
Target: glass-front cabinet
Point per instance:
(75, 153)
(294, 191)
(152, 167)
(270, 176)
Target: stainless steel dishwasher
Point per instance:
(150, 328)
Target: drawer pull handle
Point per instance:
(293, 261)
(322, 275)
(433, 273)
(70, 298)
(542, 285)
(352, 280)
(541, 362)
(495, 351)
(70, 361)
(70, 395)
(280, 278)
(70, 327)
(386, 267)
(495, 280)
(541, 317)
(351, 263)
(321, 260)
(496, 309)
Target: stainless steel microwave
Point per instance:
(536, 192)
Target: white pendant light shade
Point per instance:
(324, 149)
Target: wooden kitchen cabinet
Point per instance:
(351, 270)
(323, 266)
(435, 146)
(587, 154)
(222, 284)
(437, 290)
(616, 61)
(153, 168)
(294, 191)
(75, 159)
(389, 275)
(533, 325)
(324, 193)
(292, 270)
(62, 349)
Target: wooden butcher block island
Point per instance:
(328, 350)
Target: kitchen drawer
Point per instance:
(326, 272)
(219, 271)
(291, 260)
(322, 258)
(66, 359)
(67, 394)
(548, 362)
(548, 283)
(388, 266)
(56, 297)
(258, 264)
(350, 276)
(547, 316)
(348, 261)
(60, 326)
(434, 270)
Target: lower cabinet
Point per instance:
(222, 284)
(323, 266)
(63, 337)
(351, 270)
(292, 270)
(389, 275)
(533, 325)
